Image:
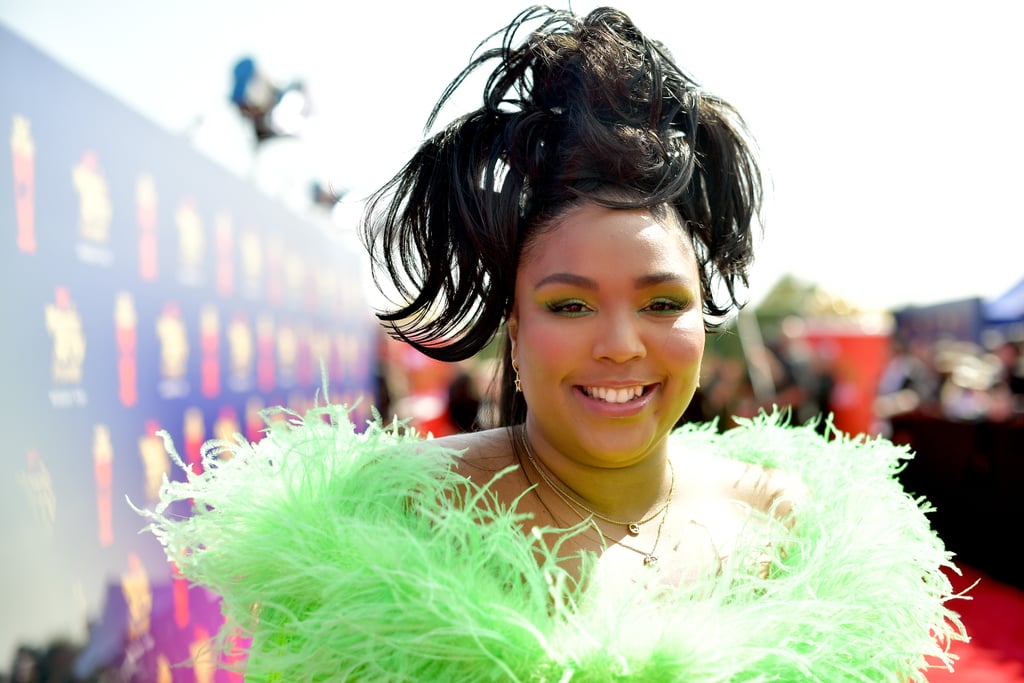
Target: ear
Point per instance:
(513, 332)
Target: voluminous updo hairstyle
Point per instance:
(583, 109)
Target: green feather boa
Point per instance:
(358, 556)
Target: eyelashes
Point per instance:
(570, 308)
(666, 305)
(574, 308)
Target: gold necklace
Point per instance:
(632, 527)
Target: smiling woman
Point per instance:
(607, 332)
(588, 214)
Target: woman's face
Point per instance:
(608, 332)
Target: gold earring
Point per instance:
(515, 369)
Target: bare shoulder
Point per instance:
(485, 451)
(765, 489)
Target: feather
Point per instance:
(348, 554)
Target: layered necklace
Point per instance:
(632, 527)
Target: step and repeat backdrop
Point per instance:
(144, 289)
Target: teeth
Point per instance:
(612, 395)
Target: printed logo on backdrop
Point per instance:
(95, 212)
(103, 468)
(252, 264)
(209, 350)
(126, 336)
(138, 597)
(37, 484)
(350, 296)
(327, 292)
(275, 272)
(194, 428)
(164, 673)
(320, 351)
(254, 423)
(287, 353)
(224, 239)
(349, 352)
(68, 354)
(191, 243)
(204, 666)
(241, 353)
(295, 270)
(180, 591)
(301, 401)
(23, 158)
(310, 288)
(226, 427)
(170, 329)
(304, 356)
(156, 464)
(265, 348)
(146, 213)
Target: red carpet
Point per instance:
(994, 618)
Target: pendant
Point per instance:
(633, 528)
(650, 560)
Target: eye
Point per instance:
(666, 305)
(570, 308)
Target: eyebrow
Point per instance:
(649, 280)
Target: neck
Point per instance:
(626, 493)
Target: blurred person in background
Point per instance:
(909, 383)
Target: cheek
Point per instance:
(685, 345)
(543, 345)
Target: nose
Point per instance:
(620, 338)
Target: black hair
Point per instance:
(585, 109)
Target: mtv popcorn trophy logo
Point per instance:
(156, 464)
(241, 352)
(224, 238)
(254, 424)
(37, 484)
(23, 156)
(65, 327)
(126, 335)
(191, 243)
(146, 213)
(138, 597)
(209, 349)
(195, 436)
(275, 272)
(265, 352)
(103, 465)
(226, 428)
(94, 212)
(204, 665)
(320, 351)
(170, 329)
(295, 277)
(287, 354)
(252, 264)
(327, 288)
(349, 353)
(179, 588)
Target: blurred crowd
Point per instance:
(52, 663)
(954, 380)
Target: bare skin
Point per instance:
(711, 507)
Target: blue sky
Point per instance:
(890, 128)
